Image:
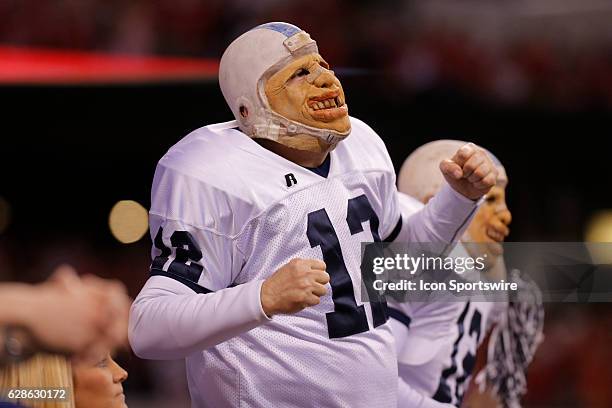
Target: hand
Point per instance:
(295, 286)
(470, 171)
(118, 303)
(82, 317)
(477, 399)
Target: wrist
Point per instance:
(267, 303)
(18, 300)
(451, 191)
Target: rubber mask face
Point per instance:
(308, 92)
(491, 222)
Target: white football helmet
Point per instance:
(245, 66)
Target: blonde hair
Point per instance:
(40, 371)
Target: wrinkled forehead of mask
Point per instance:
(420, 175)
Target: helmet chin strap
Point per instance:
(276, 126)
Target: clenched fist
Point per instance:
(470, 171)
(295, 286)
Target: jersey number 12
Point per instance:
(347, 318)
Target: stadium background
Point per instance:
(531, 81)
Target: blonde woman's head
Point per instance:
(40, 371)
(88, 384)
(98, 384)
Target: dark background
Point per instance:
(70, 152)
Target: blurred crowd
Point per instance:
(555, 55)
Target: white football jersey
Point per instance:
(423, 332)
(225, 215)
(470, 329)
(437, 341)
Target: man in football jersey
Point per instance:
(437, 341)
(257, 225)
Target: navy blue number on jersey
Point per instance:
(444, 393)
(187, 254)
(347, 318)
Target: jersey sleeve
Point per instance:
(408, 397)
(442, 220)
(409, 346)
(199, 259)
(188, 303)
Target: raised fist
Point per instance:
(470, 171)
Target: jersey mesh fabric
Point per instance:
(238, 198)
(292, 361)
(471, 329)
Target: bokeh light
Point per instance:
(599, 229)
(5, 215)
(128, 221)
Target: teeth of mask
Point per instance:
(327, 103)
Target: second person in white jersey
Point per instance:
(437, 341)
